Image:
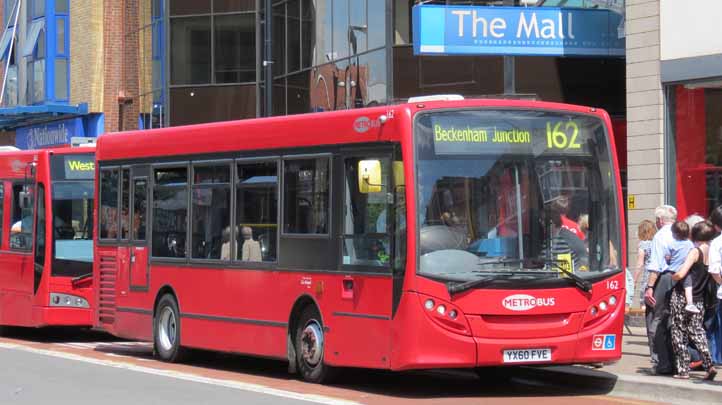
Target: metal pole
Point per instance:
(10, 49)
(268, 57)
(509, 65)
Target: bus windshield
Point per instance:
(515, 194)
(72, 193)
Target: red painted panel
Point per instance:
(690, 140)
(139, 267)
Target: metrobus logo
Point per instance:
(524, 302)
(363, 124)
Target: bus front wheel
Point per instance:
(166, 330)
(309, 342)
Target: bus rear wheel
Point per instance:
(166, 330)
(309, 341)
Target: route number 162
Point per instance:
(563, 135)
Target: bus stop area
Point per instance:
(632, 377)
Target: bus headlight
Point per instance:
(67, 300)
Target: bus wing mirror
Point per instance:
(399, 179)
(369, 176)
(26, 200)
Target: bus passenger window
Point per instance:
(140, 207)
(366, 216)
(21, 232)
(256, 212)
(170, 212)
(211, 201)
(305, 195)
(125, 203)
(108, 208)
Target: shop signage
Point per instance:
(50, 134)
(550, 31)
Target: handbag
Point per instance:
(710, 293)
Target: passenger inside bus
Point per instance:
(251, 249)
(564, 240)
(226, 246)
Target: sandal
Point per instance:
(711, 373)
(681, 376)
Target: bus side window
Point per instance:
(306, 196)
(211, 205)
(140, 207)
(256, 212)
(21, 232)
(108, 208)
(170, 212)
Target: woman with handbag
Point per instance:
(687, 326)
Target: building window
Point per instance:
(152, 45)
(696, 129)
(190, 50)
(235, 44)
(212, 42)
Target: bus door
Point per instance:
(137, 244)
(17, 262)
(365, 217)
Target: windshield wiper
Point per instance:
(78, 280)
(581, 283)
(467, 285)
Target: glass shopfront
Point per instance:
(694, 131)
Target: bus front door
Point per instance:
(363, 313)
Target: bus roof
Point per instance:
(361, 125)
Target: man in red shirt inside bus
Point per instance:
(573, 227)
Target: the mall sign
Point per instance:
(476, 30)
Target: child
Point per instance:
(645, 233)
(678, 252)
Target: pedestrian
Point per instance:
(678, 252)
(714, 315)
(645, 233)
(687, 325)
(658, 292)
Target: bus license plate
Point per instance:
(527, 355)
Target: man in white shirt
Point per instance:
(658, 292)
(715, 248)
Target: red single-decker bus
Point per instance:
(46, 237)
(430, 234)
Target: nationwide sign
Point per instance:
(543, 31)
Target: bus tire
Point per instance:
(309, 341)
(166, 330)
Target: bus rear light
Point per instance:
(446, 315)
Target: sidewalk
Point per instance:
(631, 377)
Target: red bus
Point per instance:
(431, 234)
(46, 237)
